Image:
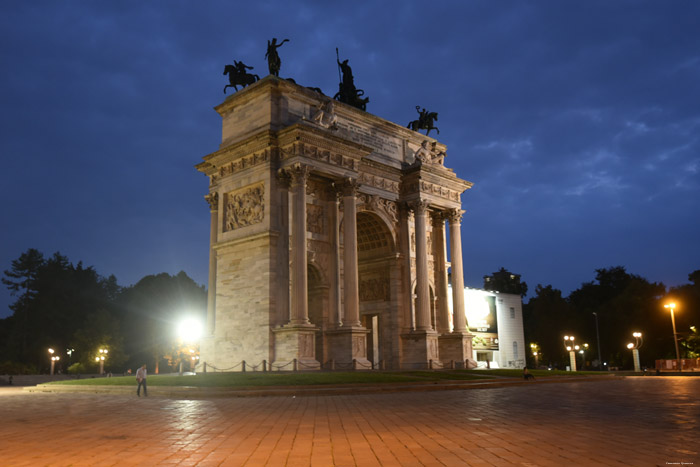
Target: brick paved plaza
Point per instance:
(634, 421)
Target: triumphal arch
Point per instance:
(329, 231)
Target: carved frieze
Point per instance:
(374, 289)
(379, 182)
(315, 219)
(312, 152)
(244, 207)
(432, 188)
(242, 163)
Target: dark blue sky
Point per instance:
(578, 123)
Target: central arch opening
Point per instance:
(375, 248)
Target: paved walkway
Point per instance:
(634, 421)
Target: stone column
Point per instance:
(420, 209)
(351, 281)
(440, 258)
(334, 316)
(300, 294)
(213, 200)
(460, 320)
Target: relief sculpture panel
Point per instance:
(244, 207)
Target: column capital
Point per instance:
(213, 200)
(284, 178)
(438, 217)
(454, 215)
(419, 206)
(299, 174)
(349, 186)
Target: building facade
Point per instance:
(328, 238)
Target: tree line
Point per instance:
(619, 303)
(74, 310)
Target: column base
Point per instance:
(348, 344)
(457, 347)
(295, 342)
(419, 348)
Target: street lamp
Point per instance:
(635, 349)
(535, 353)
(583, 356)
(672, 307)
(54, 359)
(597, 334)
(572, 349)
(101, 360)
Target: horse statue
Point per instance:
(237, 76)
(424, 122)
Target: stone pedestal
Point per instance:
(348, 344)
(456, 346)
(419, 347)
(295, 342)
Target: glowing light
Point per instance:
(189, 330)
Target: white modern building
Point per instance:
(496, 320)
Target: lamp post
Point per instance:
(535, 353)
(54, 359)
(635, 349)
(572, 349)
(101, 359)
(597, 335)
(672, 307)
(583, 356)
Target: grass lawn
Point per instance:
(253, 379)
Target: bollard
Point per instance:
(180, 369)
(332, 364)
(354, 364)
(204, 368)
(295, 364)
(430, 364)
(452, 364)
(243, 366)
(264, 365)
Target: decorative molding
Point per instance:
(244, 207)
(213, 200)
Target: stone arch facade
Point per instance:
(319, 233)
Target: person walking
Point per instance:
(141, 375)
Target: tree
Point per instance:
(505, 281)
(547, 316)
(21, 281)
(152, 308)
(55, 298)
(624, 303)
